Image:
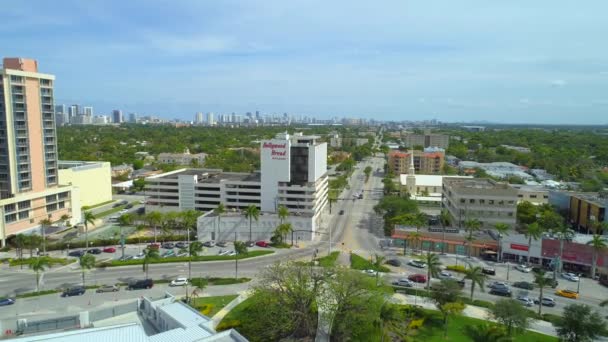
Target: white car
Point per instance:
(223, 252)
(404, 282)
(124, 211)
(370, 273)
(181, 281)
(570, 276)
(523, 268)
(445, 275)
(139, 256)
(231, 253)
(525, 301)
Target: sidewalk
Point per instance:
(217, 318)
(542, 327)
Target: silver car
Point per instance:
(108, 288)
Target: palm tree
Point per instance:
(598, 244)
(33, 241)
(487, 332)
(433, 264)
(38, 265)
(377, 263)
(252, 213)
(123, 221)
(542, 282)
(444, 218)
(44, 224)
(193, 251)
(471, 226)
(154, 218)
(87, 218)
(282, 212)
(563, 234)
(20, 242)
(241, 249)
(149, 255)
(64, 218)
(501, 229)
(533, 231)
(415, 237)
(86, 262)
(219, 211)
(475, 274)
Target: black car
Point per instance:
(394, 262)
(524, 285)
(181, 244)
(94, 251)
(488, 271)
(129, 206)
(73, 291)
(140, 284)
(115, 205)
(141, 210)
(222, 244)
(501, 291)
(76, 254)
(168, 245)
(341, 212)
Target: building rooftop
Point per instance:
(210, 175)
(475, 184)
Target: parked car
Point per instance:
(488, 271)
(116, 205)
(523, 268)
(139, 256)
(140, 284)
(109, 250)
(94, 251)
(394, 262)
(129, 206)
(523, 285)
(209, 243)
(123, 211)
(341, 212)
(181, 281)
(262, 244)
(461, 282)
(498, 284)
(250, 243)
(546, 301)
(108, 288)
(181, 254)
(525, 300)
(231, 253)
(223, 252)
(6, 301)
(501, 291)
(154, 246)
(417, 278)
(168, 245)
(181, 244)
(403, 282)
(567, 293)
(370, 273)
(126, 257)
(570, 276)
(73, 291)
(417, 263)
(222, 244)
(445, 275)
(76, 254)
(168, 254)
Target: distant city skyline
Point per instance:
(465, 61)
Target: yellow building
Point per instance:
(94, 179)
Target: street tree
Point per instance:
(514, 316)
(377, 262)
(390, 321)
(150, 254)
(563, 233)
(38, 265)
(368, 172)
(445, 219)
(241, 250)
(526, 213)
(446, 295)
(542, 282)
(44, 224)
(471, 226)
(433, 266)
(154, 218)
(86, 262)
(194, 250)
(502, 229)
(219, 211)
(88, 218)
(64, 219)
(332, 198)
(533, 231)
(475, 274)
(580, 323)
(20, 242)
(598, 243)
(252, 213)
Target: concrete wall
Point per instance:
(93, 179)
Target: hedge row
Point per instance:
(456, 268)
(425, 293)
(115, 263)
(27, 261)
(202, 282)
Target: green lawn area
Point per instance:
(251, 254)
(113, 210)
(432, 330)
(237, 315)
(358, 262)
(200, 282)
(329, 260)
(98, 205)
(209, 306)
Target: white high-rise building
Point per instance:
(87, 111)
(133, 117)
(198, 118)
(210, 120)
(73, 112)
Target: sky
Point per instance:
(516, 61)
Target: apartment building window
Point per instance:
(51, 207)
(511, 202)
(462, 200)
(545, 196)
(24, 205)
(482, 201)
(16, 78)
(491, 202)
(532, 196)
(51, 198)
(61, 205)
(471, 201)
(510, 214)
(9, 208)
(520, 195)
(501, 202)
(64, 195)
(10, 218)
(24, 215)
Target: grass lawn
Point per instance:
(358, 262)
(329, 260)
(237, 314)
(113, 210)
(432, 330)
(218, 281)
(209, 306)
(115, 263)
(99, 205)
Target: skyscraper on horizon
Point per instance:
(117, 116)
(198, 118)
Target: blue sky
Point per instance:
(504, 61)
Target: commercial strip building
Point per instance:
(31, 187)
(424, 162)
(488, 201)
(500, 170)
(143, 320)
(293, 174)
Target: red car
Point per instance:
(109, 250)
(262, 244)
(417, 278)
(154, 246)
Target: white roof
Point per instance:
(183, 314)
(127, 333)
(428, 180)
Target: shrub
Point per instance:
(416, 323)
(34, 294)
(228, 324)
(357, 262)
(553, 318)
(456, 268)
(205, 309)
(52, 261)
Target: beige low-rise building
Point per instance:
(94, 179)
(483, 199)
(536, 194)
